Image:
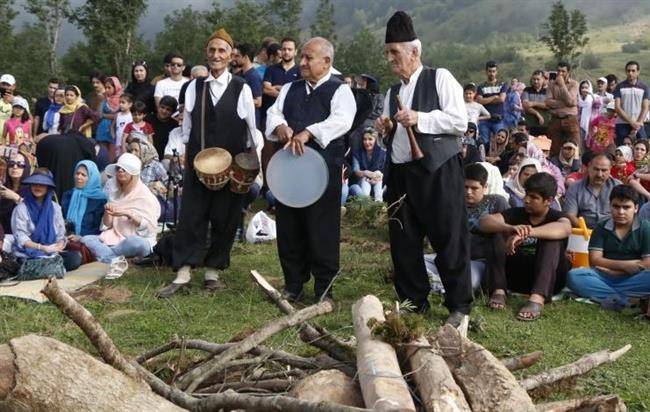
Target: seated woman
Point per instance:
(10, 194)
(83, 206)
(515, 186)
(75, 116)
(367, 165)
(37, 223)
(129, 224)
(153, 173)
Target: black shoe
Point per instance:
(291, 296)
(170, 290)
(149, 260)
(455, 319)
(212, 285)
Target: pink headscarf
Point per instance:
(114, 99)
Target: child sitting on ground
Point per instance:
(139, 128)
(623, 166)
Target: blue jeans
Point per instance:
(600, 287)
(130, 247)
(486, 128)
(364, 188)
(344, 193)
(623, 130)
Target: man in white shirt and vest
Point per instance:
(315, 111)
(222, 105)
(426, 195)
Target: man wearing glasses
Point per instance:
(171, 86)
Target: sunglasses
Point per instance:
(13, 163)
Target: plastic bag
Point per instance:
(260, 229)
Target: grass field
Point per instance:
(566, 331)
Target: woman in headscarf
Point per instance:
(52, 117)
(11, 193)
(498, 145)
(37, 223)
(495, 184)
(567, 160)
(83, 206)
(110, 106)
(130, 218)
(623, 166)
(140, 86)
(515, 186)
(588, 107)
(153, 173)
(75, 115)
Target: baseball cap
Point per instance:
(602, 79)
(611, 106)
(7, 78)
(20, 102)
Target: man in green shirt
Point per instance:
(619, 255)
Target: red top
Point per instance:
(146, 128)
(623, 172)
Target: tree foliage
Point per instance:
(110, 30)
(185, 32)
(324, 25)
(50, 14)
(565, 32)
(364, 54)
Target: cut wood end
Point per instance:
(618, 353)
(49, 285)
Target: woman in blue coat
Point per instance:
(83, 206)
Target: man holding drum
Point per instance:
(315, 112)
(219, 112)
(424, 175)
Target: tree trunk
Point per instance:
(330, 385)
(51, 376)
(487, 384)
(438, 390)
(380, 377)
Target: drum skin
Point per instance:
(212, 167)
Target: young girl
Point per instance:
(122, 118)
(603, 131)
(110, 107)
(138, 129)
(17, 128)
(623, 165)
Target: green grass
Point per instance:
(566, 331)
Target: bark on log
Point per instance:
(487, 384)
(330, 385)
(438, 390)
(52, 376)
(522, 361)
(273, 385)
(7, 371)
(380, 377)
(577, 368)
(604, 403)
(192, 379)
(324, 341)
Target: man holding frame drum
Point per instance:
(424, 174)
(219, 113)
(315, 112)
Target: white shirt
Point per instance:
(169, 87)
(450, 119)
(121, 120)
(342, 111)
(245, 104)
(175, 142)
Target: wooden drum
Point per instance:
(212, 167)
(243, 172)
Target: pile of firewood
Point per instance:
(444, 371)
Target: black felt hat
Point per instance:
(400, 29)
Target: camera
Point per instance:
(552, 75)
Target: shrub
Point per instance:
(631, 48)
(591, 61)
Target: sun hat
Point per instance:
(7, 78)
(40, 178)
(20, 102)
(129, 162)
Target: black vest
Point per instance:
(223, 126)
(437, 148)
(301, 110)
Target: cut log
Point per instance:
(330, 385)
(323, 340)
(52, 376)
(604, 403)
(382, 384)
(522, 361)
(192, 379)
(488, 385)
(438, 390)
(577, 368)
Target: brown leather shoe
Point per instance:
(170, 290)
(212, 285)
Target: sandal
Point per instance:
(497, 301)
(530, 311)
(119, 265)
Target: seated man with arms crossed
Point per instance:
(536, 239)
(619, 255)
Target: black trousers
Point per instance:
(543, 273)
(200, 207)
(434, 206)
(309, 237)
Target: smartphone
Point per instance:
(552, 75)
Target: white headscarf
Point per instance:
(627, 153)
(514, 185)
(494, 181)
(585, 106)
